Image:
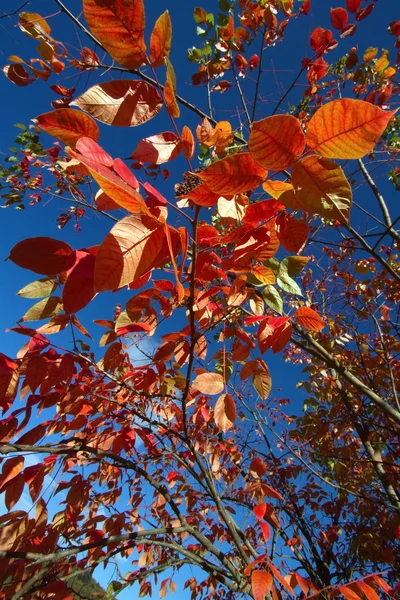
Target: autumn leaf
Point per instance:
(225, 412)
(276, 142)
(262, 381)
(119, 26)
(275, 333)
(261, 584)
(38, 289)
(309, 319)
(43, 255)
(121, 102)
(170, 91)
(258, 468)
(160, 40)
(188, 143)
(134, 245)
(209, 383)
(233, 175)
(11, 468)
(158, 149)
(346, 128)
(43, 309)
(321, 188)
(79, 288)
(339, 17)
(68, 125)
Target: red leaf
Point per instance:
(79, 287)
(259, 511)
(43, 255)
(262, 211)
(158, 149)
(309, 319)
(261, 584)
(363, 13)
(133, 328)
(353, 5)
(339, 17)
(258, 468)
(291, 232)
(265, 530)
(68, 125)
(92, 150)
(275, 333)
(11, 468)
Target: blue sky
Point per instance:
(20, 105)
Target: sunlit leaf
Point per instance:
(346, 128)
(261, 584)
(225, 412)
(158, 149)
(68, 125)
(134, 245)
(321, 187)
(160, 40)
(309, 319)
(188, 143)
(170, 91)
(276, 142)
(79, 287)
(121, 102)
(209, 383)
(233, 175)
(119, 26)
(43, 309)
(38, 289)
(262, 381)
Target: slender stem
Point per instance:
(253, 113)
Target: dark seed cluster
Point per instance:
(183, 188)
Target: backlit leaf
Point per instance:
(261, 584)
(43, 309)
(79, 287)
(43, 255)
(321, 187)
(121, 102)
(346, 128)
(339, 17)
(68, 125)
(158, 149)
(348, 593)
(170, 91)
(309, 319)
(258, 468)
(160, 40)
(119, 26)
(134, 245)
(11, 468)
(292, 233)
(209, 383)
(273, 298)
(368, 591)
(275, 333)
(38, 289)
(233, 175)
(188, 143)
(262, 381)
(275, 142)
(225, 412)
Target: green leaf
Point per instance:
(292, 265)
(38, 289)
(273, 298)
(44, 309)
(273, 264)
(287, 284)
(224, 368)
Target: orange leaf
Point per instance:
(321, 187)
(275, 142)
(160, 40)
(309, 319)
(263, 274)
(275, 333)
(170, 91)
(18, 75)
(346, 128)
(225, 412)
(258, 468)
(119, 27)
(259, 511)
(134, 245)
(262, 381)
(188, 143)
(233, 175)
(209, 383)
(43, 255)
(68, 125)
(348, 593)
(122, 102)
(11, 468)
(104, 202)
(367, 590)
(261, 584)
(158, 149)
